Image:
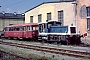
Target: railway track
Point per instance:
(51, 50)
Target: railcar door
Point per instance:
(27, 32)
(35, 31)
(24, 32)
(20, 32)
(30, 31)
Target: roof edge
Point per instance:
(46, 3)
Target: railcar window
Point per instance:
(28, 28)
(24, 28)
(6, 29)
(11, 29)
(17, 28)
(35, 28)
(21, 28)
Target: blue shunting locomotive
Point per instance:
(53, 32)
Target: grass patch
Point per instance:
(25, 55)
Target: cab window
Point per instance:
(73, 29)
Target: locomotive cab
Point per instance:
(43, 30)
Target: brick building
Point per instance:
(83, 16)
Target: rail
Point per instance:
(51, 50)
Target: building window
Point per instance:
(88, 24)
(31, 18)
(39, 18)
(48, 16)
(60, 17)
(88, 11)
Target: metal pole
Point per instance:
(75, 10)
(75, 14)
(3, 22)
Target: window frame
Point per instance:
(31, 18)
(88, 24)
(39, 18)
(60, 17)
(88, 10)
(49, 16)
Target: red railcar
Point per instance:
(28, 30)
